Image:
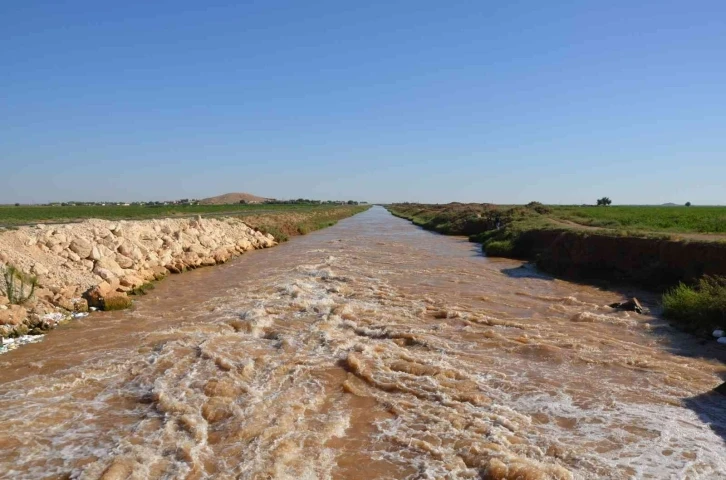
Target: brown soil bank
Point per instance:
(526, 232)
(49, 273)
(650, 262)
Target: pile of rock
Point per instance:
(96, 263)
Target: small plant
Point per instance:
(19, 286)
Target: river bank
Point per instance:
(653, 260)
(58, 272)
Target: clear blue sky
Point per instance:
(434, 101)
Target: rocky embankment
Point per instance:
(96, 264)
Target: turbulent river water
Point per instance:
(372, 349)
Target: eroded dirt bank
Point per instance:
(652, 262)
(372, 349)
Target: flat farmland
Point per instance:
(646, 218)
(25, 214)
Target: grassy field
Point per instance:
(643, 218)
(12, 216)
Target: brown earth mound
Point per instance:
(230, 198)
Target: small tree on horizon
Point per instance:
(604, 201)
(688, 204)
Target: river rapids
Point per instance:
(372, 349)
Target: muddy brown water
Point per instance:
(372, 349)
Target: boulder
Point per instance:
(208, 261)
(80, 305)
(221, 255)
(95, 254)
(108, 263)
(131, 281)
(80, 247)
(39, 269)
(107, 252)
(632, 305)
(4, 300)
(105, 274)
(207, 241)
(126, 249)
(13, 315)
(124, 261)
(198, 250)
(159, 272)
(103, 298)
(64, 303)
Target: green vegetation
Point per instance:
(19, 286)
(498, 248)
(701, 307)
(498, 228)
(678, 219)
(142, 289)
(11, 215)
(275, 231)
(116, 302)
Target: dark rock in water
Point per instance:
(632, 305)
(721, 389)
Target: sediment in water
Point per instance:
(96, 263)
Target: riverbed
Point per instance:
(371, 349)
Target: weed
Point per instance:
(19, 286)
(700, 307)
(116, 302)
(142, 289)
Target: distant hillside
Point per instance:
(230, 198)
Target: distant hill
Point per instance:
(669, 204)
(230, 198)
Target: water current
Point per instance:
(371, 349)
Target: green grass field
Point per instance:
(12, 216)
(643, 218)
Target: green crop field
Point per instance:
(11, 215)
(645, 218)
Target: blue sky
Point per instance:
(508, 102)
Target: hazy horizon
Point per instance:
(405, 101)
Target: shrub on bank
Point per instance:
(499, 248)
(701, 307)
